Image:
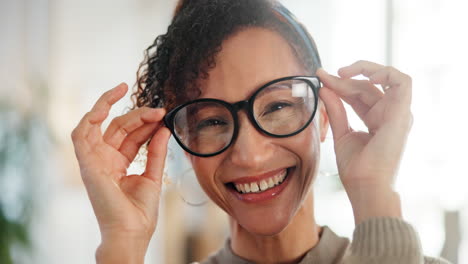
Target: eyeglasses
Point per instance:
(281, 108)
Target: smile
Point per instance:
(262, 185)
(255, 189)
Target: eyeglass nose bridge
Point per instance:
(236, 107)
(241, 105)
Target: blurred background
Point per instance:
(58, 56)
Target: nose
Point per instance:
(251, 149)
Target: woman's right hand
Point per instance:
(126, 206)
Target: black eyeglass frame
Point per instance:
(313, 81)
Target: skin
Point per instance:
(126, 207)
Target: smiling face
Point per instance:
(277, 171)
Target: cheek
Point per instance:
(205, 170)
(307, 145)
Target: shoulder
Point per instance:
(387, 240)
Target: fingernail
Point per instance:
(157, 110)
(342, 69)
(324, 71)
(118, 86)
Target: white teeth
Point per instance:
(271, 183)
(247, 187)
(276, 179)
(254, 187)
(263, 185)
(282, 176)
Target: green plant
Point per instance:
(20, 136)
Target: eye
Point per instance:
(210, 123)
(276, 106)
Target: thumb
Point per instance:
(336, 113)
(156, 159)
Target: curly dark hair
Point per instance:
(177, 60)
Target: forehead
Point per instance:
(249, 59)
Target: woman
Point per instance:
(241, 82)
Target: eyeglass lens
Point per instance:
(204, 127)
(284, 107)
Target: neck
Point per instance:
(278, 248)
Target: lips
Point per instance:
(261, 188)
(262, 185)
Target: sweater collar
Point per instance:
(329, 250)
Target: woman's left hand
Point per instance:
(368, 161)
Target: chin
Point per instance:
(266, 225)
(267, 220)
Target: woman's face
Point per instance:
(248, 60)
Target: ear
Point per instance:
(323, 121)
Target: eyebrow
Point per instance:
(249, 96)
(274, 86)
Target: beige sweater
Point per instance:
(379, 241)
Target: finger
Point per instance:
(351, 90)
(398, 85)
(88, 120)
(105, 102)
(336, 113)
(359, 108)
(132, 143)
(386, 76)
(122, 126)
(157, 151)
(80, 133)
(363, 67)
